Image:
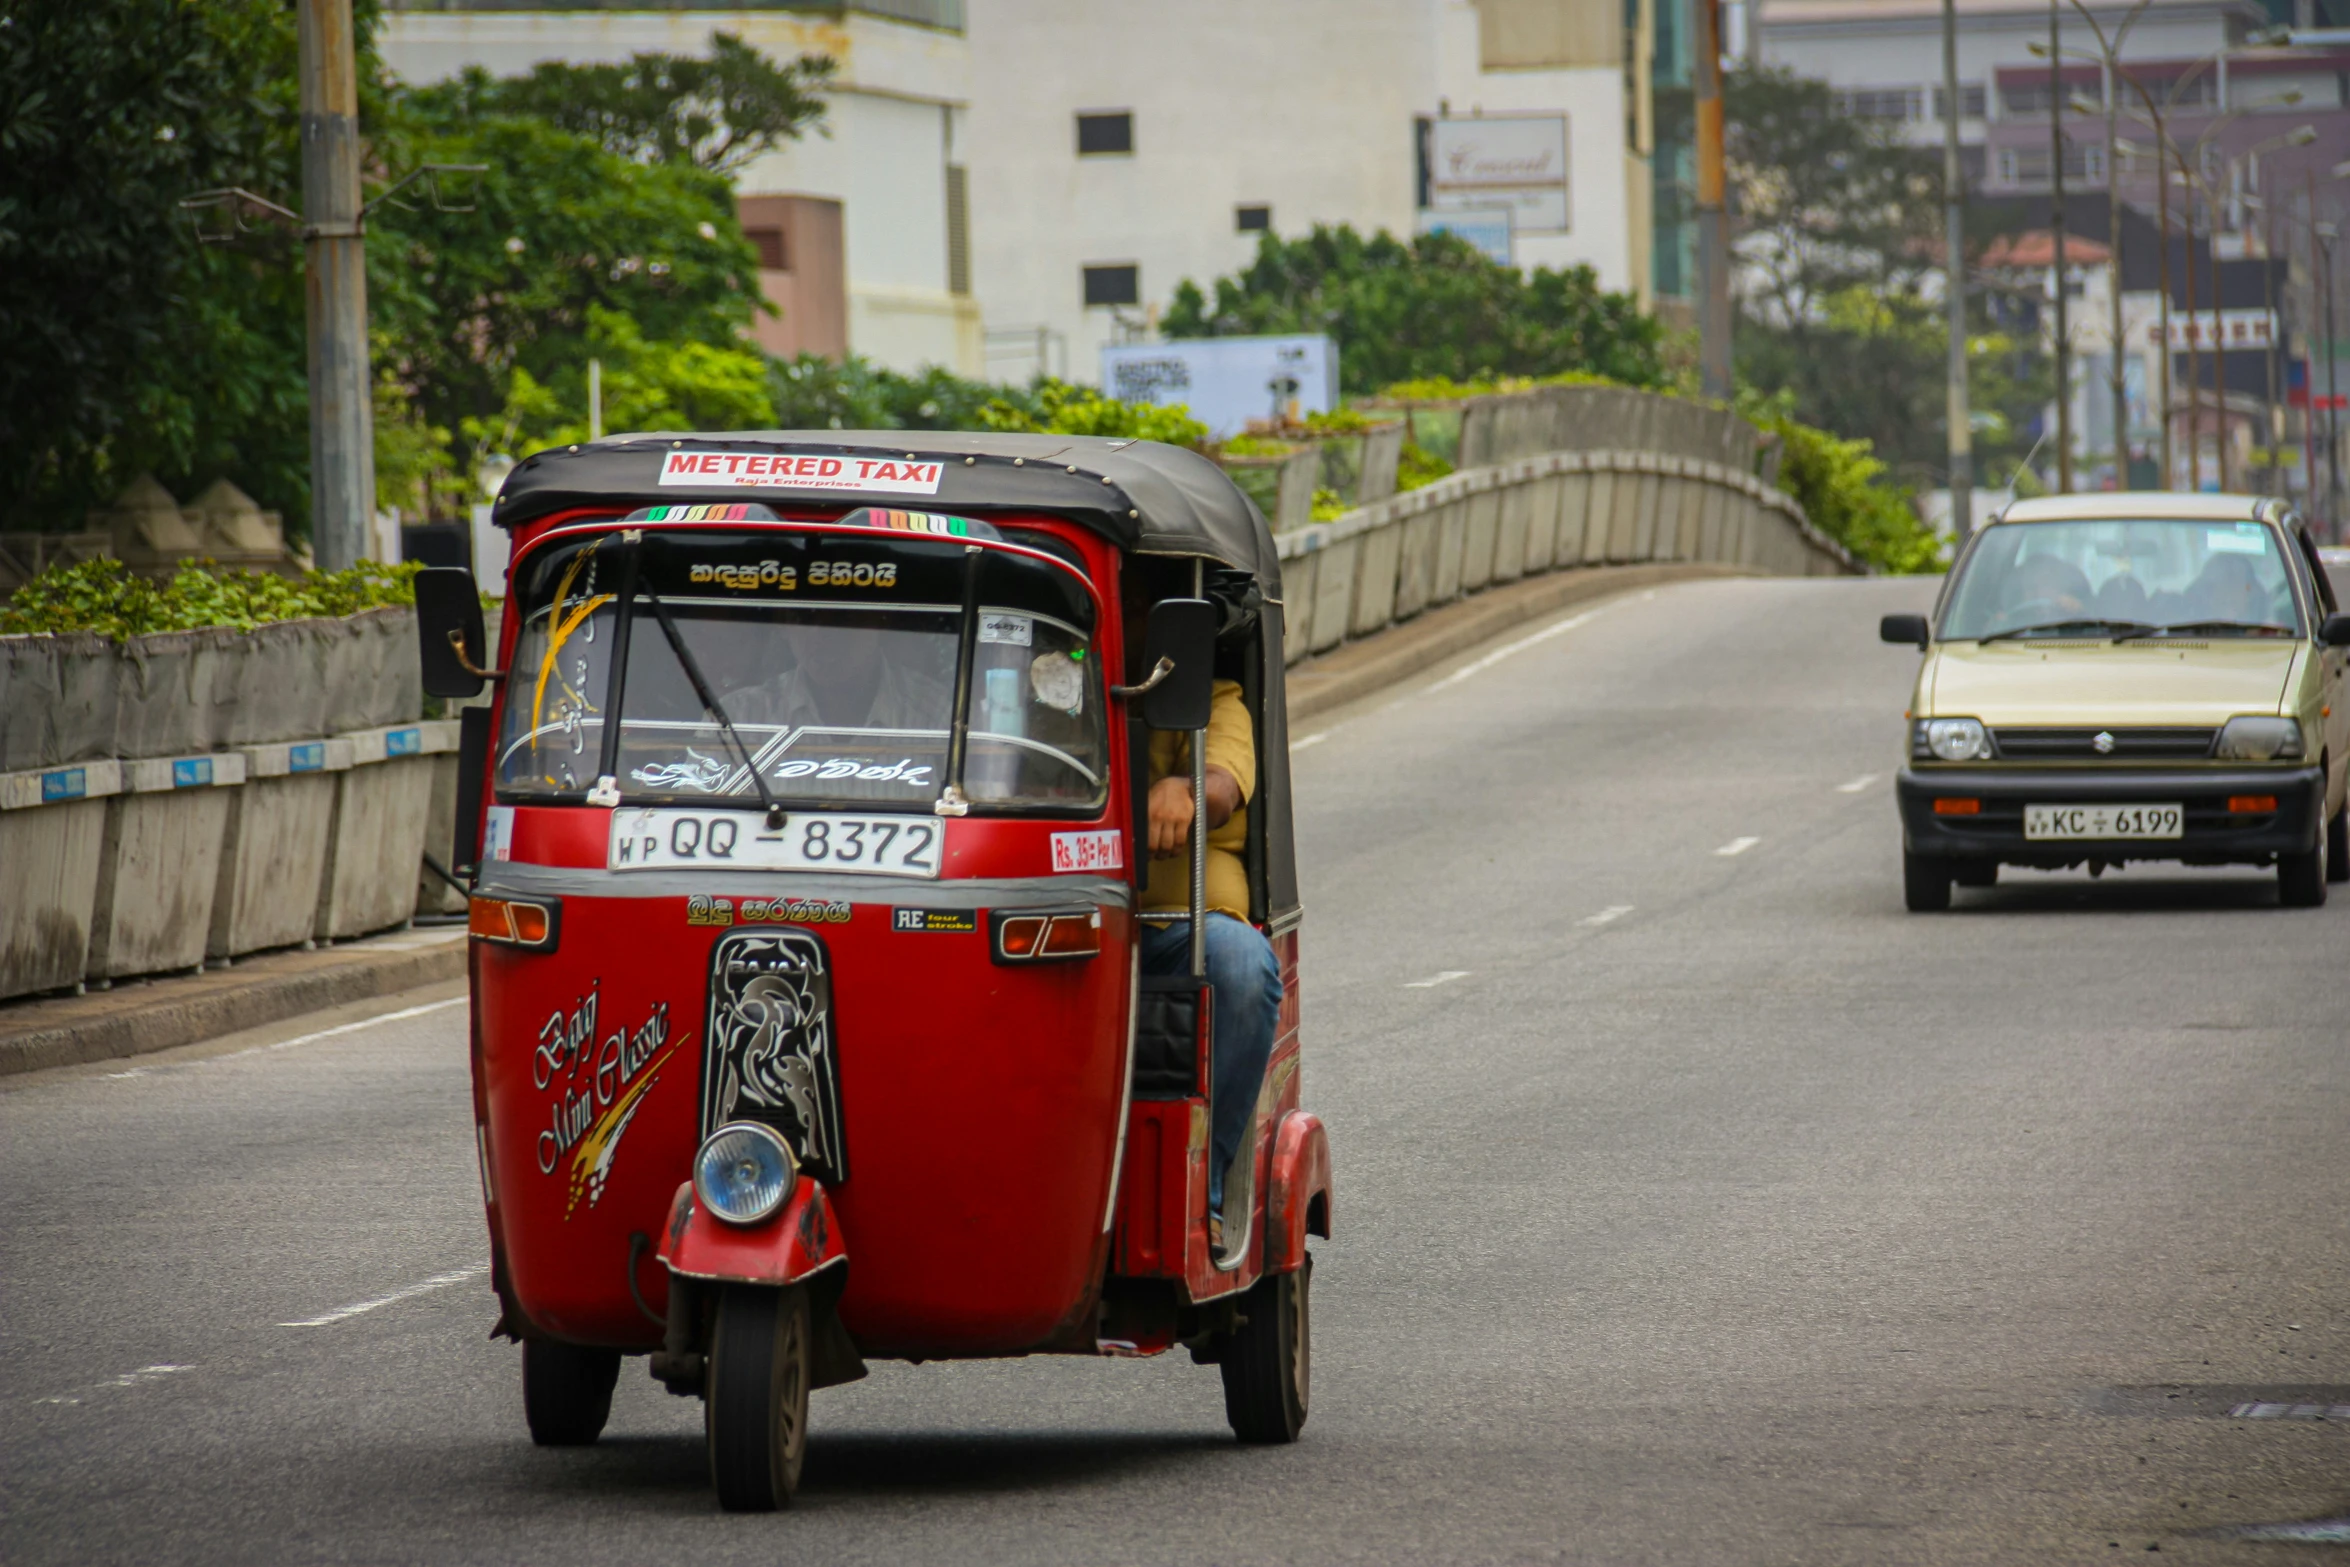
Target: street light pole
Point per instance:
(342, 424)
(1962, 441)
(1713, 243)
(2064, 375)
(2326, 232)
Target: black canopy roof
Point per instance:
(1143, 496)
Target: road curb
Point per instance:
(1326, 683)
(140, 1019)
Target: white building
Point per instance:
(1118, 148)
(859, 224)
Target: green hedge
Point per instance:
(105, 596)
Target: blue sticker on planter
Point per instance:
(71, 784)
(194, 773)
(403, 742)
(308, 757)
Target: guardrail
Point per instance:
(1386, 562)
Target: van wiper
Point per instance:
(693, 672)
(2046, 628)
(2259, 628)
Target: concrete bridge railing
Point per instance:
(1388, 561)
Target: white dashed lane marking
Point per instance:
(425, 1287)
(1613, 912)
(303, 1039)
(138, 1378)
(1857, 785)
(1737, 846)
(1444, 977)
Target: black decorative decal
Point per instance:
(769, 1056)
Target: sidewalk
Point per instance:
(139, 1016)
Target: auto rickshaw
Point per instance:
(798, 1044)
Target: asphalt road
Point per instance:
(1695, 1204)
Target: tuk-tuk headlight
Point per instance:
(744, 1172)
(2259, 739)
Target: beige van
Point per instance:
(2131, 676)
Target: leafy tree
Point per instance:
(1431, 306)
(716, 113)
(1839, 307)
(130, 347)
(646, 386)
(555, 230)
(815, 393)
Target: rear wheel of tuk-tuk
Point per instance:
(567, 1391)
(1268, 1361)
(756, 1417)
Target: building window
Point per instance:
(1117, 284)
(1973, 101)
(2027, 167)
(1252, 220)
(958, 229)
(769, 244)
(1105, 134)
(1882, 103)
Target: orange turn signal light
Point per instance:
(1047, 938)
(1958, 807)
(512, 923)
(2255, 804)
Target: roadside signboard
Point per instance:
(1514, 160)
(1227, 381)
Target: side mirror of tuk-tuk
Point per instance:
(449, 632)
(1182, 631)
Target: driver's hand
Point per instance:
(1170, 816)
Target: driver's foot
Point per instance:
(1216, 1231)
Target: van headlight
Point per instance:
(1949, 740)
(2259, 739)
(744, 1172)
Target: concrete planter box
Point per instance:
(52, 837)
(381, 804)
(159, 869)
(1478, 537)
(275, 847)
(1334, 588)
(1375, 578)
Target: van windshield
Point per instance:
(834, 655)
(2123, 577)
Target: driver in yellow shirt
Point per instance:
(1241, 965)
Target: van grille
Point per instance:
(2180, 743)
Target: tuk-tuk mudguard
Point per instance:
(802, 1239)
(1297, 1191)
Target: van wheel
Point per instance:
(1925, 882)
(567, 1391)
(1268, 1362)
(762, 1350)
(2338, 846)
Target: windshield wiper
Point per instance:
(2248, 627)
(2118, 628)
(701, 685)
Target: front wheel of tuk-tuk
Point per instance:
(1268, 1361)
(762, 1347)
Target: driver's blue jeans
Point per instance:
(1247, 978)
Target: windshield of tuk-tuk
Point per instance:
(833, 653)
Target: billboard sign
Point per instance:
(1514, 160)
(1227, 381)
(1487, 228)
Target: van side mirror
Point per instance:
(1183, 632)
(1911, 629)
(2335, 632)
(449, 635)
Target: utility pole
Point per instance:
(1713, 240)
(1962, 436)
(2113, 239)
(2194, 346)
(342, 424)
(2064, 364)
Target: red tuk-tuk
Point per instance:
(798, 1043)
